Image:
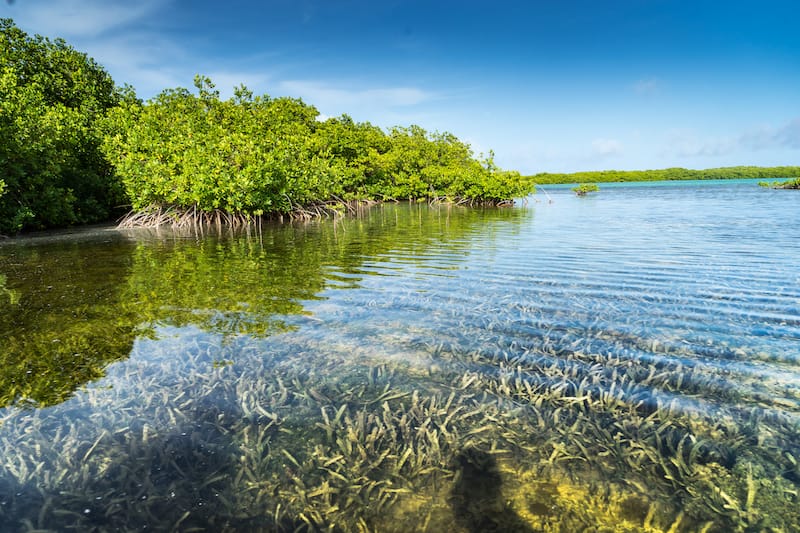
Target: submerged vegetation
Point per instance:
(667, 174)
(372, 374)
(103, 300)
(307, 433)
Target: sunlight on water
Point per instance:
(628, 361)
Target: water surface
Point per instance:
(627, 360)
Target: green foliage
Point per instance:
(245, 155)
(352, 151)
(791, 184)
(666, 174)
(585, 188)
(73, 146)
(262, 155)
(50, 99)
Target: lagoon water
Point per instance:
(625, 361)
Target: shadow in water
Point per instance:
(477, 497)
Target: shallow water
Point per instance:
(627, 360)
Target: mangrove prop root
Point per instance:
(156, 216)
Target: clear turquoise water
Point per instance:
(629, 359)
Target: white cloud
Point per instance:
(118, 34)
(606, 147)
(687, 144)
(341, 100)
(81, 18)
(138, 59)
(786, 136)
(477, 146)
(551, 156)
(646, 86)
(226, 80)
(126, 39)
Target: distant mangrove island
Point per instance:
(75, 148)
(667, 174)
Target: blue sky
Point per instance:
(554, 86)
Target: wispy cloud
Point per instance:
(128, 40)
(646, 86)
(786, 136)
(82, 18)
(687, 144)
(545, 156)
(332, 98)
(119, 34)
(227, 80)
(137, 58)
(606, 147)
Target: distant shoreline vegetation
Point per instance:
(667, 174)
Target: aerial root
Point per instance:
(157, 216)
(184, 218)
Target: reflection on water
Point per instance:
(64, 320)
(627, 361)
